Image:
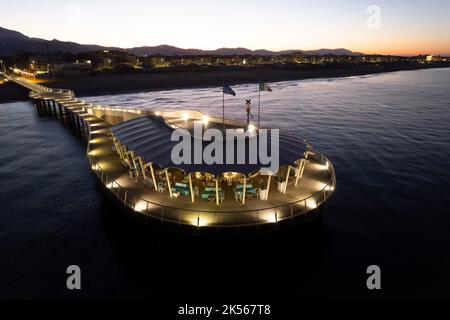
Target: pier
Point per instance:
(135, 185)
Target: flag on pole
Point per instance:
(227, 90)
(264, 87)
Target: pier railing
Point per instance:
(199, 218)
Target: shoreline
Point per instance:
(110, 84)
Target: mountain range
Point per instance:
(11, 41)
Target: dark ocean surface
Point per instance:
(388, 136)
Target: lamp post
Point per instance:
(248, 108)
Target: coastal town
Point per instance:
(41, 66)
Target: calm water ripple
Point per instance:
(388, 136)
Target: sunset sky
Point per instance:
(405, 27)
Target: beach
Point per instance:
(104, 84)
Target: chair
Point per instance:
(161, 186)
(249, 196)
(175, 193)
(196, 191)
(182, 188)
(148, 181)
(212, 197)
(206, 194)
(133, 172)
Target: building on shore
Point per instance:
(57, 65)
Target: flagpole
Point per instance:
(223, 111)
(259, 106)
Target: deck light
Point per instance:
(251, 128)
(205, 120)
(200, 221)
(270, 217)
(110, 185)
(140, 206)
(95, 124)
(311, 204)
(94, 153)
(97, 131)
(185, 117)
(323, 166)
(96, 140)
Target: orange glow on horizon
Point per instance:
(405, 28)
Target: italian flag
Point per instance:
(264, 87)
